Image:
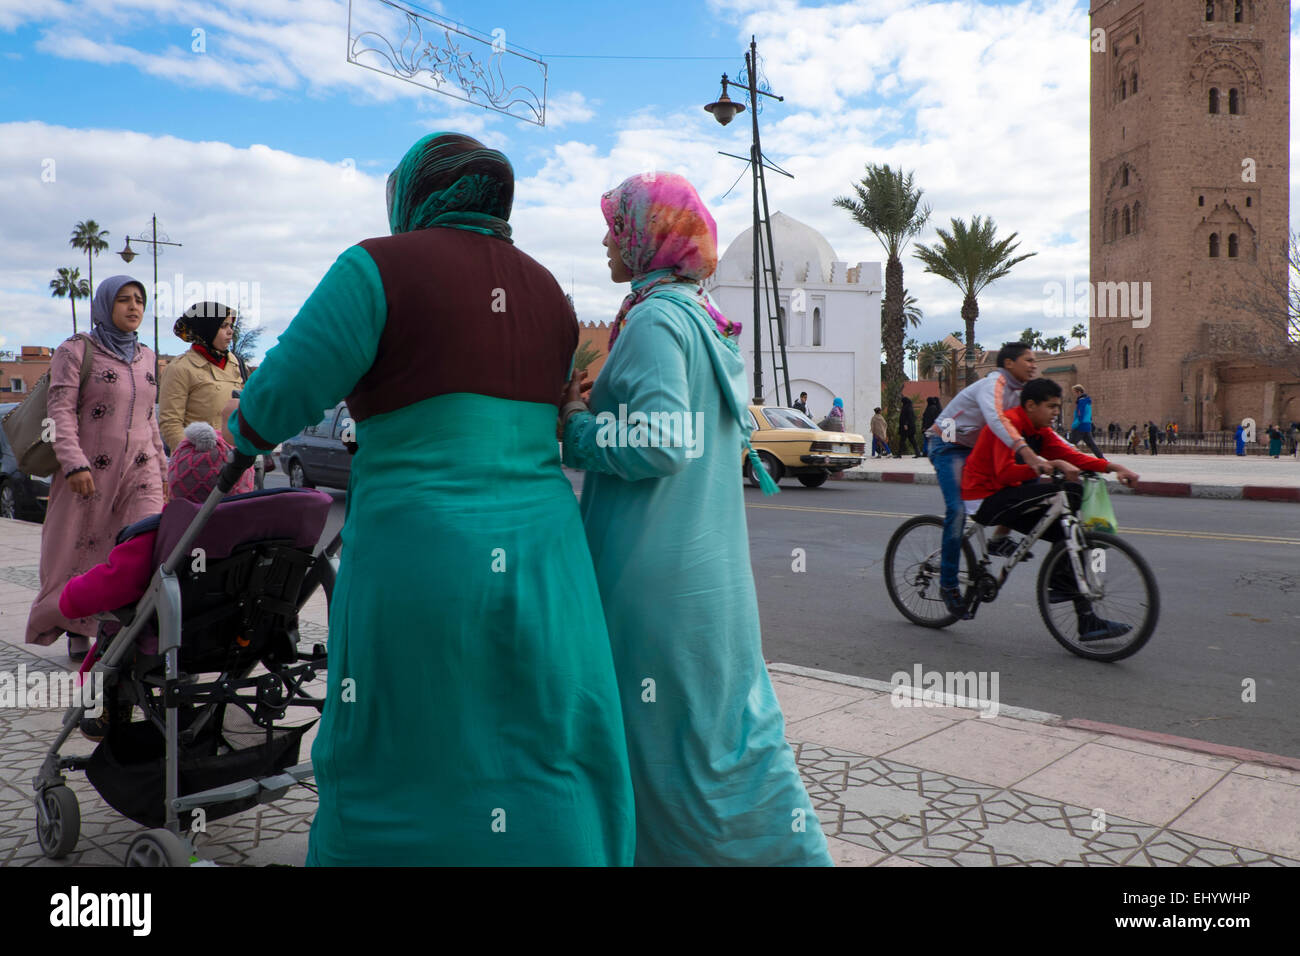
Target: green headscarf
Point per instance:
(453, 180)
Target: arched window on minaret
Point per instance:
(1106, 362)
(1234, 101)
(1209, 11)
(1214, 245)
(817, 326)
(1134, 85)
(1124, 175)
(1137, 206)
(1114, 224)
(1214, 99)
(1237, 11)
(1232, 245)
(1140, 354)
(1125, 360)
(1128, 225)
(1123, 89)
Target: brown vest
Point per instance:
(466, 313)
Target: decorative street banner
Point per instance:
(442, 56)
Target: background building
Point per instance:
(833, 346)
(1190, 162)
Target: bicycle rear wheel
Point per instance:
(912, 571)
(1127, 594)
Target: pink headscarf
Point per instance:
(658, 222)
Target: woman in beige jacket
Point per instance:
(197, 385)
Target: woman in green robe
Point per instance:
(471, 713)
(662, 444)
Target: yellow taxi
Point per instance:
(788, 442)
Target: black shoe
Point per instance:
(96, 728)
(1094, 628)
(1004, 547)
(78, 647)
(955, 603)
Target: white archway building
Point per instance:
(833, 345)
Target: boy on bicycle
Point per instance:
(954, 433)
(995, 488)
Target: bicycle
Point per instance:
(1108, 571)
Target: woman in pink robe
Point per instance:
(112, 469)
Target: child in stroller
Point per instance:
(123, 578)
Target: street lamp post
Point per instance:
(127, 255)
(724, 110)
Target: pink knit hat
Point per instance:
(197, 461)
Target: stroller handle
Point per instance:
(236, 465)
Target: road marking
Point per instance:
(1209, 535)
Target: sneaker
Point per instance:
(96, 728)
(955, 603)
(1004, 547)
(1094, 628)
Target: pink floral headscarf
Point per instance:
(659, 224)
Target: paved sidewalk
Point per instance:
(1196, 476)
(892, 785)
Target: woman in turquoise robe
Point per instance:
(662, 444)
(471, 714)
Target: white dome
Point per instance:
(801, 251)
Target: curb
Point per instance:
(1160, 489)
(1240, 754)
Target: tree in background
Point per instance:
(244, 342)
(1056, 343)
(585, 355)
(889, 206)
(971, 258)
(69, 282)
(1079, 332)
(90, 239)
(1033, 338)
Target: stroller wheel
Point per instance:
(158, 848)
(57, 833)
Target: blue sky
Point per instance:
(266, 153)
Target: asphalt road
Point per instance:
(1229, 575)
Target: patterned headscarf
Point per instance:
(201, 322)
(449, 179)
(663, 234)
(103, 330)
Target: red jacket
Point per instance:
(991, 466)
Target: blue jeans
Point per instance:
(949, 459)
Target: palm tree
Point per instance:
(88, 237)
(1033, 338)
(584, 356)
(971, 258)
(912, 348)
(69, 282)
(1056, 343)
(912, 314)
(1079, 332)
(933, 358)
(889, 206)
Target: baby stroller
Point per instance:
(223, 600)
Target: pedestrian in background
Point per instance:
(834, 420)
(1153, 434)
(879, 436)
(112, 469)
(1133, 439)
(1239, 437)
(1081, 429)
(907, 429)
(801, 402)
(1274, 442)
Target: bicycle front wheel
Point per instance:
(1125, 593)
(912, 571)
